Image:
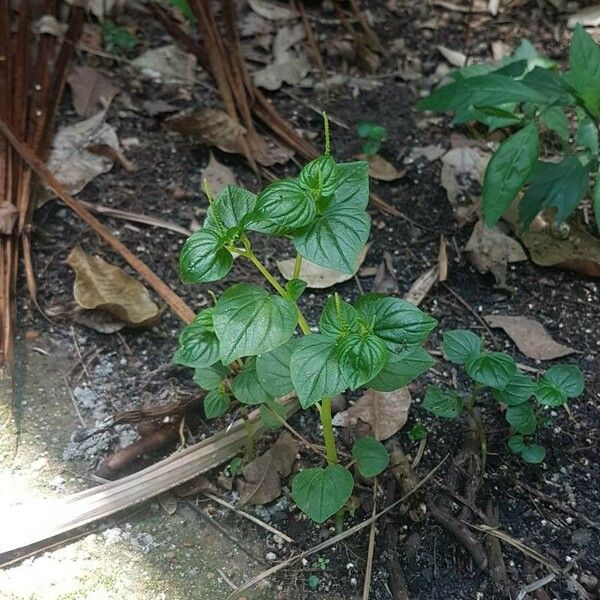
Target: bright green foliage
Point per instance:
(209, 378)
(445, 404)
(522, 417)
(216, 403)
(313, 582)
(246, 387)
(204, 257)
(460, 345)
(320, 493)
(494, 369)
(268, 419)
(273, 369)
(372, 134)
(371, 456)
(528, 93)
(518, 390)
(198, 344)
(401, 368)
(117, 40)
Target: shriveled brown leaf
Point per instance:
(381, 169)
(291, 72)
(385, 412)
(530, 336)
(431, 152)
(99, 285)
(97, 319)
(158, 107)
(8, 217)
(454, 57)
(422, 285)
(114, 154)
(262, 477)
(89, 88)
(272, 152)
(217, 175)
(168, 64)
(168, 502)
(385, 280)
(316, 276)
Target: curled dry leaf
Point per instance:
(530, 336)
(316, 276)
(168, 64)
(273, 11)
(101, 286)
(70, 161)
(381, 169)
(217, 175)
(262, 477)
(8, 217)
(422, 285)
(385, 412)
(89, 87)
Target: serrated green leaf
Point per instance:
(559, 185)
(198, 344)
(518, 390)
(533, 454)
(283, 206)
(459, 345)
(587, 135)
(273, 369)
(516, 443)
(203, 258)
(548, 394)
(249, 321)
(320, 493)
(233, 205)
(353, 185)
(396, 321)
(320, 176)
(401, 368)
(338, 317)
(445, 404)
(361, 358)
(246, 387)
(567, 378)
(295, 288)
(494, 369)
(522, 418)
(315, 369)
(508, 170)
(210, 378)
(555, 119)
(216, 403)
(371, 456)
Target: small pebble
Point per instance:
(271, 556)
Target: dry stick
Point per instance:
(162, 289)
(371, 549)
(310, 37)
(338, 538)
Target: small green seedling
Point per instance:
(373, 135)
(313, 582)
(418, 432)
(246, 349)
(117, 40)
(529, 95)
(496, 374)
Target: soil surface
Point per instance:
(153, 554)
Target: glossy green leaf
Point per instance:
(522, 418)
(315, 369)
(507, 172)
(533, 454)
(246, 386)
(361, 358)
(550, 85)
(338, 317)
(396, 321)
(203, 258)
(518, 390)
(587, 135)
(273, 369)
(210, 378)
(216, 403)
(295, 288)
(353, 185)
(549, 395)
(459, 345)
(446, 404)
(198, 344)
(567, 378)
(401, 368)
(494, 369)
(371, 456)
(249, 321)
(516, 443)
(320, 493)
(555, 119)
(320, 176)
(554, 185)
(233, 205)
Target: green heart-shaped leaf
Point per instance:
(533, 454)
(371, 456)
(518, 390)
(522, 418)
(459, 345)
(320, 493)
(548, 394)
(567, 378)
(361, 357)
(401, 368)
(198, 344)
(494, 369)
(445, 404)
(203, 258)
(233, 206)
(273, 369)
(320, 176)
(516, 443)
(246, 387)
(209, 378)
(338, 318)
(216, 403)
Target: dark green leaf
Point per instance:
(198, 344)
(526, 51)
(533, 454)
(273, 369)
(371, 147)
(203, 258)
(209, 378)
(522, 418)
(445, 404)
(516, 443)
(320, 493)
(507, 172)
(249, 321)
(567, 378)
(295, 288)
(338, 318)
(401, 368)
(117, 40)
(550, 85)
(548, 394)
(371, 456)
(233, 207)
(418, 432)
(459, 345)
(315, 370)
(268, 419)
(396, 321)
(518, 390)
(555, 119)
(320, 176)
(361, 357)
(587, 135)
(494, 369)
(246, 387)
(216, 403)
(353, 185)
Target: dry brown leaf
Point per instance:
(421, 286)
(168, 64)
(381, 169)
(385, 280)
(114, 154)
(385, 412)
(431, 153)
(8, 217)
(218, 175)
(158, 107)
(262, 477)
(530, 336)
(98, 320)
(273, 11)
(89, 88)
(442, 260)
(99, 285)
(317, 276)
(455, 58)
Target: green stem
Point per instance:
(297, 267)
(332, 458)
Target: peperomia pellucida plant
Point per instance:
(255, 345)
(497, 374)
(527, 95)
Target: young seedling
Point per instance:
(496, 374)
(117, 40)
(373, 135)
(246, 348)
(530, 96)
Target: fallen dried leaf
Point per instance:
(381, 169)
(530, 336)
(158, 107)
(218, 175)
(316, 276)
(99, 285)
(431, 152)
(8, 217)
(385, 412)
(385, 280)
(99, 320)
(114, 154)
(421, 286)
(272, 10)
(442, 260)
(88, 88)
(168, 64)
(587, 17)
(262, 477)
(455, 58)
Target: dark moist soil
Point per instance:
(435, 566)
